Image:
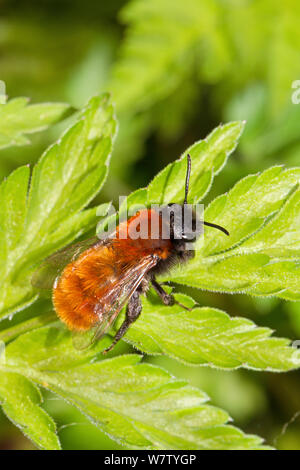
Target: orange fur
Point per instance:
(86, 284)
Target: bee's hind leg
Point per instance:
(133, 311)
(168, 299)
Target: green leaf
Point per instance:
(13, 192)
(208, 158)
(261, 255)
(137, 404)
(21, 400)
(17, 119)
(37, 222)
(208, 336)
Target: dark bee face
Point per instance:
(184, 225)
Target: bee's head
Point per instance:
(184, 224)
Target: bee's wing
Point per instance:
(44, 277)
(120, 293)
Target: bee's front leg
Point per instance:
(168, 299)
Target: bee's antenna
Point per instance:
(216, 226)
(187, 182)
(187, 179)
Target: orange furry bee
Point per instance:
(94, 279)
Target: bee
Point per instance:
(93, 280)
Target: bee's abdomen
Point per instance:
(81, 293)
(73, 305)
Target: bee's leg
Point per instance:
(168, 299)
(133, 311)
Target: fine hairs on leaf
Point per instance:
(261, 257)
(18, 118)
(140, 405)
(38, 219)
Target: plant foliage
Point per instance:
(137, 404)
(17, 119)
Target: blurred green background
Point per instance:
(176, 70)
